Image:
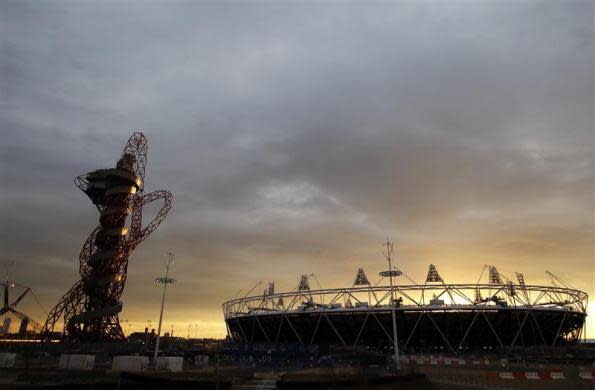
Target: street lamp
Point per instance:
(165, 281)
(392, 273)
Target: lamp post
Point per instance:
(392, 273)
(165, 281)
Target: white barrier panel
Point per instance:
(506, 375)
(130, 363)
(448, 361)
(7, 359)
(586, 374)
(557, 375)
(81, 362)
(77, 362)
(532, 375)
(173, 364)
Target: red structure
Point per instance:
(90, 308)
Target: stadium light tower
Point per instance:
(165, 281)
(392, 273)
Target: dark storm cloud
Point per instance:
(296, 136)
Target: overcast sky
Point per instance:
(297, 137)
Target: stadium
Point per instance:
(433, 316)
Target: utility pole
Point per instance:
(392, 273)
(165, 281)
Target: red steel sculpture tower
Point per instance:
(90, 308)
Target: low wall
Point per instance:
(549, 378)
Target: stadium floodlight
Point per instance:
(391, 273)
(165, 281)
